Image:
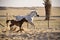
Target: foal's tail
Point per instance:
(7, 21)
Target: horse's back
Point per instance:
(18, 18)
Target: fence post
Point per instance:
(7, 18)
(48, 23)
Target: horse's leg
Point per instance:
(30, 21)
(11, 26)
(20, 29)
(32, 24)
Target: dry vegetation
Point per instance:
(40, 32)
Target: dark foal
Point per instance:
(17, 23)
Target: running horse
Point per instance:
(21, 19)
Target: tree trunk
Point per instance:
(47, 9)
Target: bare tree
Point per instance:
(47, 4)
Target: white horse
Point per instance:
(28, 17)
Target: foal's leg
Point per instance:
(20, 29)
(11, 26)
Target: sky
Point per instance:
(27, 3)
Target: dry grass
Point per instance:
(40, 32)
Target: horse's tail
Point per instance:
(7, 21)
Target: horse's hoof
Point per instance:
(3, 31)
(18, 31)
(21, 30)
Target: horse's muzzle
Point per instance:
(37, 15)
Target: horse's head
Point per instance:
(34, 13)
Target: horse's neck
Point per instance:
(31, 15)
